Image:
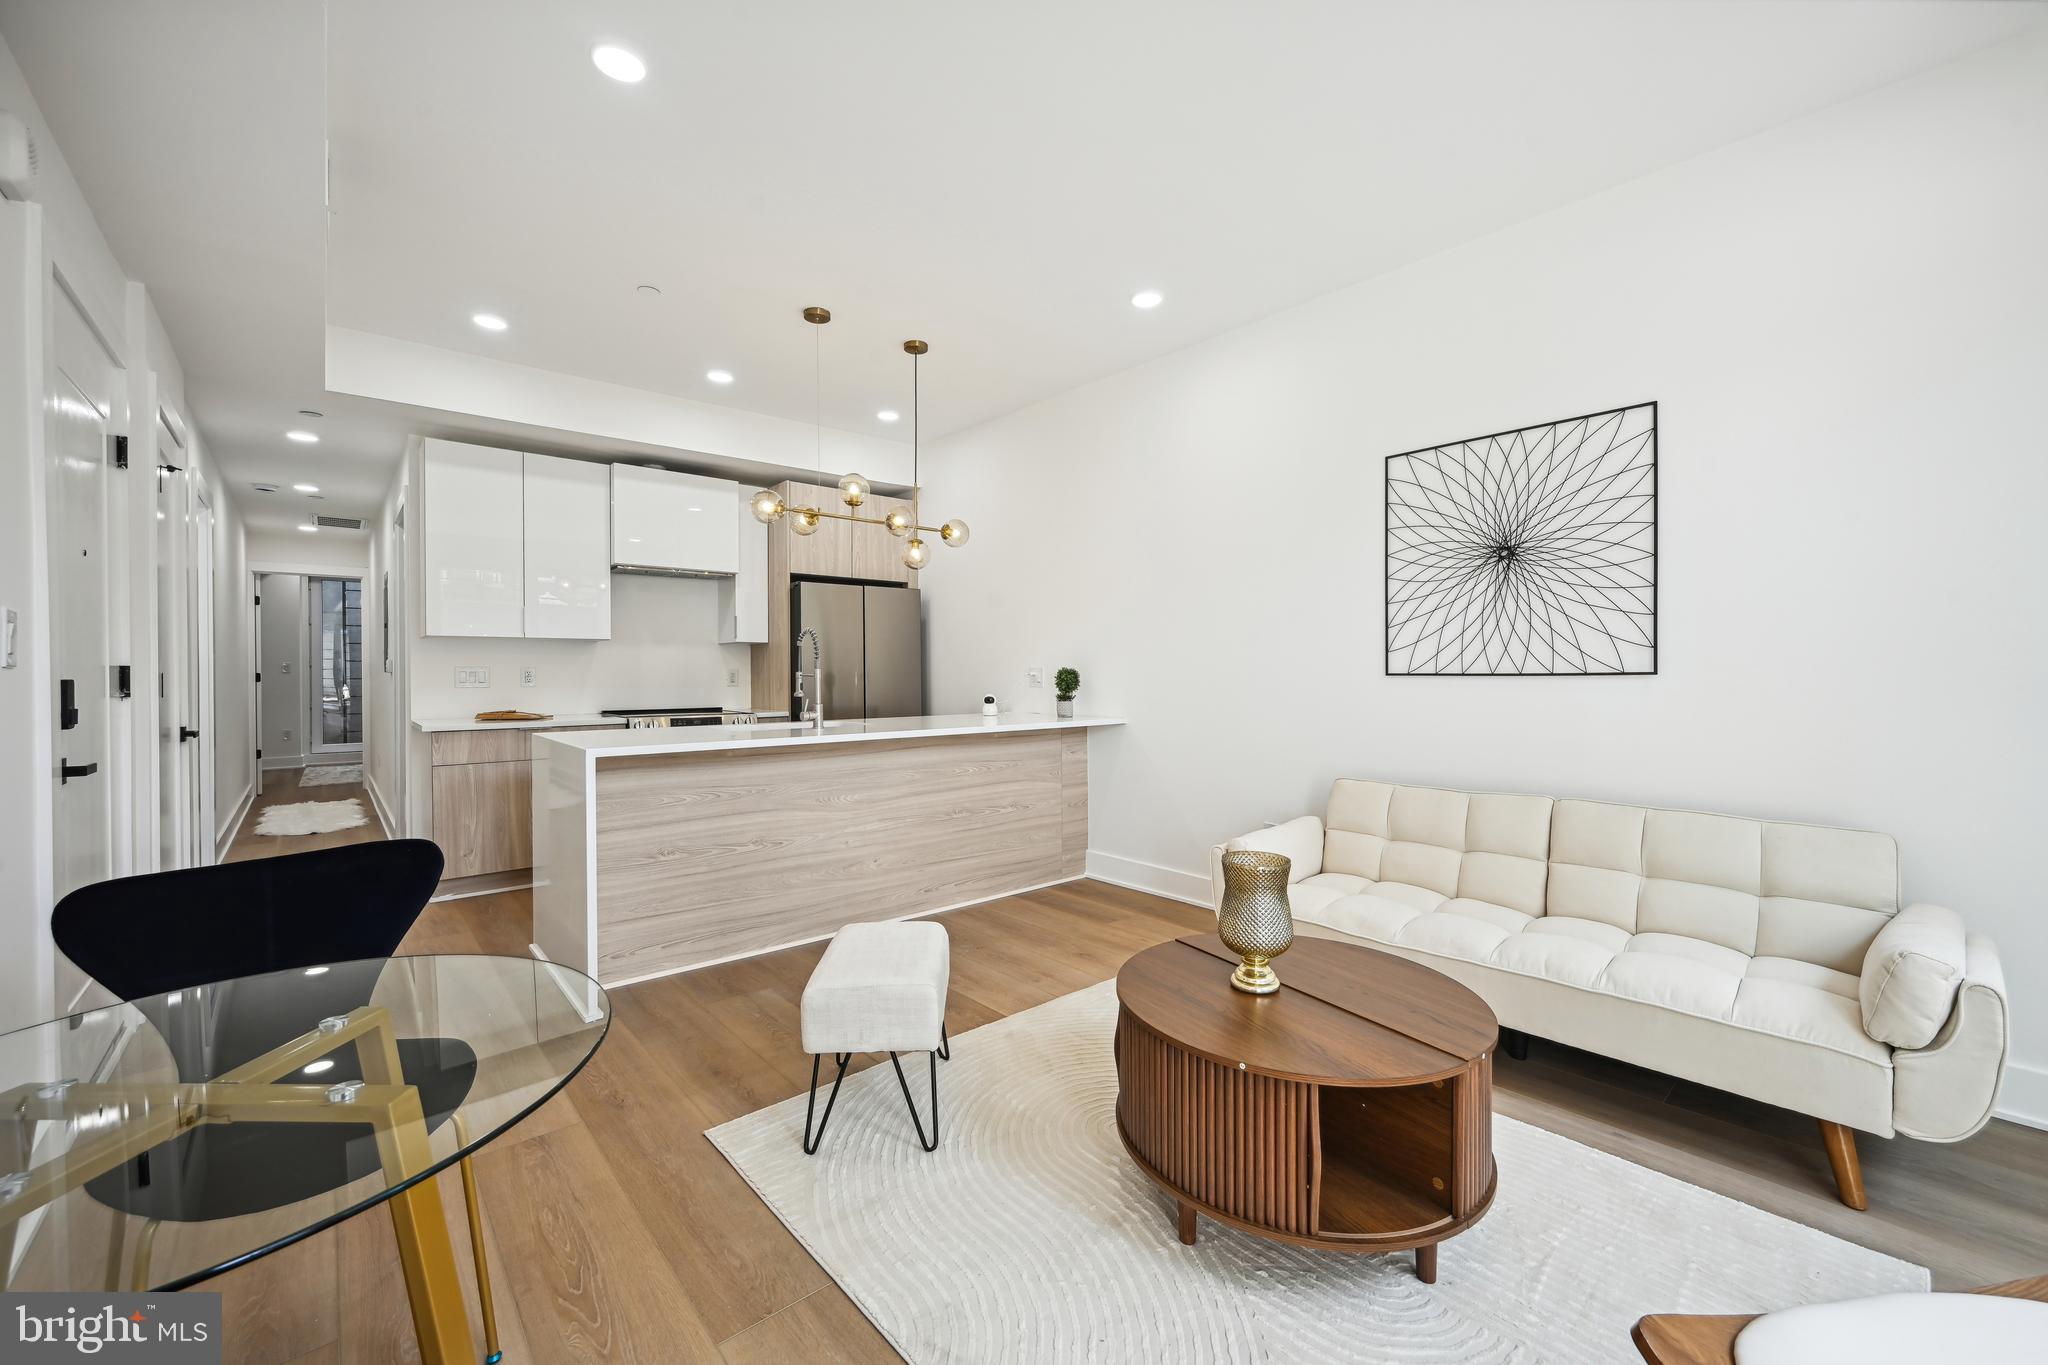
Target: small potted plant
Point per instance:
(1066, 683)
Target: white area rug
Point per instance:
(332, 775)
(312, 817)
(1030, 1236)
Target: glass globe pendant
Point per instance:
(915, 554)
(768, 506)
(804, 521)
(854, 489)
(899, 522)
(954, 532)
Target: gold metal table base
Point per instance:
(154, 1114)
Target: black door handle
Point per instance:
(67, 771)
(185, 734)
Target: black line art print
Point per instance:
(1527, 552)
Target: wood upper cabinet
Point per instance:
(877, 555)
(568, 569)
(471, 551)
(828, 552)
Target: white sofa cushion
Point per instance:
(1910, 976)
(1300, 839)
(1793, 1000)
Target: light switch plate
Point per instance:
(7, 632)
(472, 675)
(1035, 676)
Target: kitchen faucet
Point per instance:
(816, 713)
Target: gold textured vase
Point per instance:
(1254, 921)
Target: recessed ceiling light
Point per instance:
(490, 322)
(886, 415)
(1147, 298)
(304, 438)
(652, 291)
(307, 526)
(618, 63)
(719, 376)
(305, 488)
(308, 412)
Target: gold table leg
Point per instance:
(492, 1355)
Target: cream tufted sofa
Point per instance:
(1768, 959)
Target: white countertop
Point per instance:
(775, 735)
(472, 723)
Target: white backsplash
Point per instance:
(664, 651)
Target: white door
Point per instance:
(174, 802)
(196, 737)
(79, 413)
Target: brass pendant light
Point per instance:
(855, 490)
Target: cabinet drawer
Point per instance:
(481, 746)
(483, 817)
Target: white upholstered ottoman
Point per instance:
(879, 988)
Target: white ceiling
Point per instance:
(995, 179)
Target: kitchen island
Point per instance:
(656, 851)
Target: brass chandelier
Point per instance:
(769, 505)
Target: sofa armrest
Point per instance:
(1301, 839)
(1945, 1091)
(1911, 974)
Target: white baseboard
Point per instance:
(273, 765)
(1160, 881)
(380, 806)
(224, 837)
(2024, 1096)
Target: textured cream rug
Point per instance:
(312, 817)
(1030, 1236)
(331, 775)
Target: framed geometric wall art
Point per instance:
(1526, 553)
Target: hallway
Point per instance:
(281, 788)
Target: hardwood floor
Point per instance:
(619, 1234)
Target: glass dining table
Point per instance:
(151, 1144)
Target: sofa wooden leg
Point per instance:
(1841, 1145)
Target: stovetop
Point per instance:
(630, 712)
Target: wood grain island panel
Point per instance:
(703, 856)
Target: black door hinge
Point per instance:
(259, 675)
(124, 685)
(259, 753)
(67, 704)
(120, 451)
(259, 599)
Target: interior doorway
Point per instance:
(334, 614)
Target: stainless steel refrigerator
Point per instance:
(871, 644)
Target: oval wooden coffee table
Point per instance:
(1352, 1110)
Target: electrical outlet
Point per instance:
(472, 675)
(285, 666)
(732, 677)
(1035, 676)
(287, 736)
(527, 676)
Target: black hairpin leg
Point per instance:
(933, 1060)
(945, 1043)
(811, 1140)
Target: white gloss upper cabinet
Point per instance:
(568, 575)
(680, 523)
(471, 551)
(743, 598)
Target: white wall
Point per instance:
(303, 550)
(1843, 321)
(387, 715)
(56, 236)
